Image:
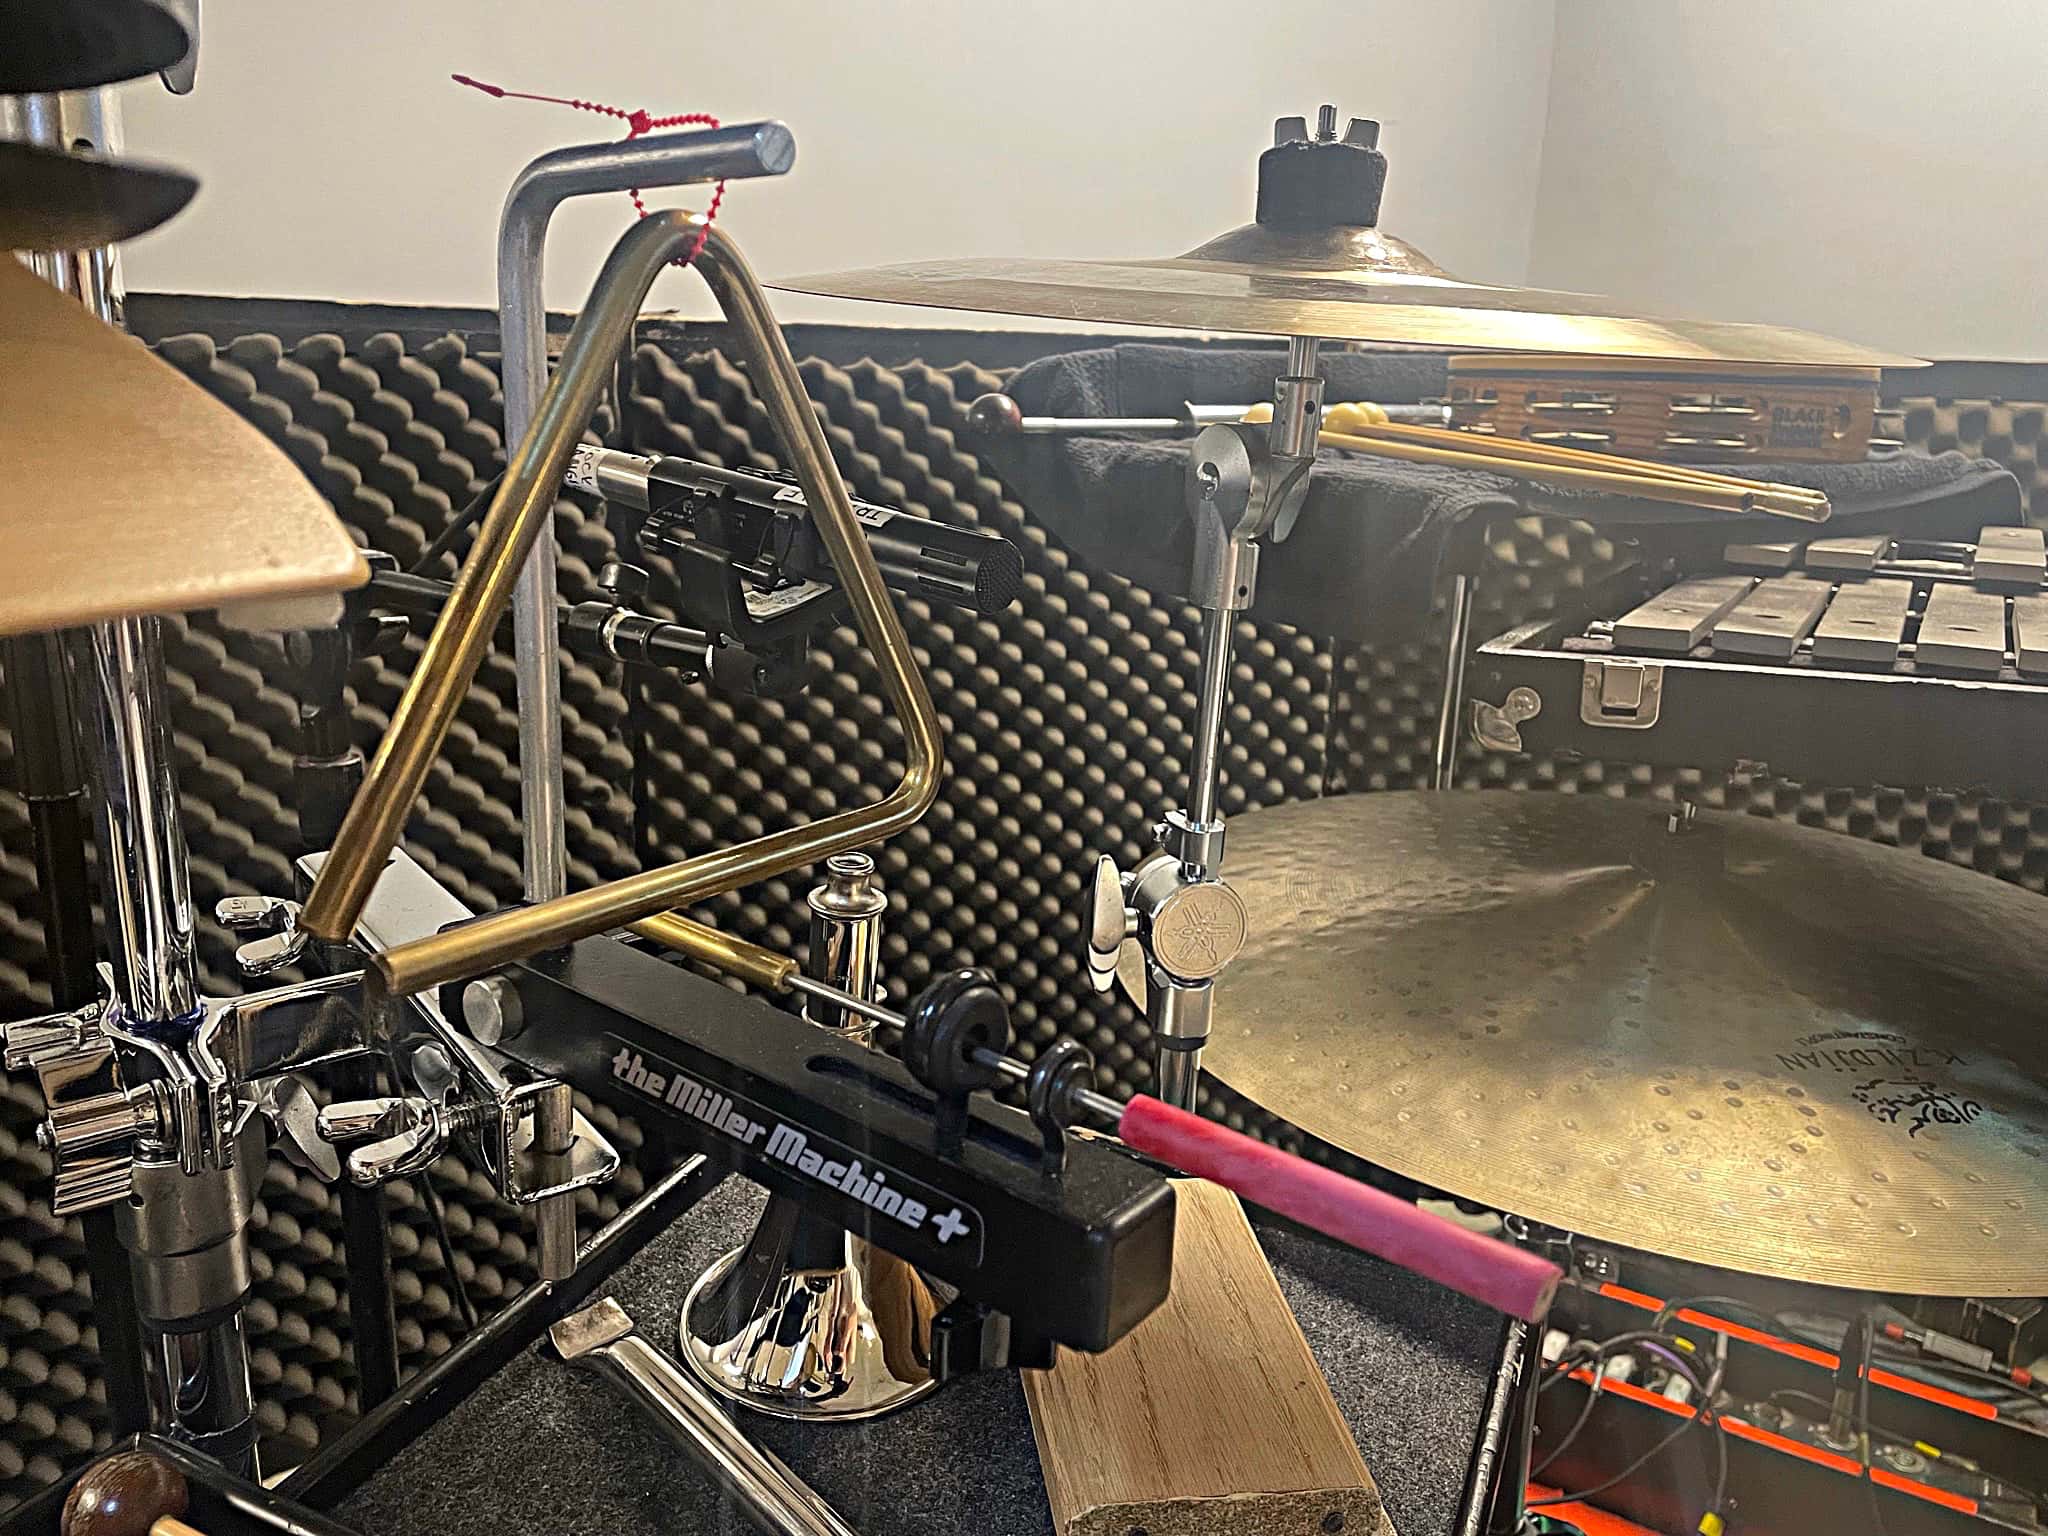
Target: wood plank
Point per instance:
(1210, 1418)
(1962, 630)
(1773, 619)
(2030, 634)
(129, 489)
(1678, 618)
(1857, 556)
(2010, 557)
(1776, 555)
(1865, 623)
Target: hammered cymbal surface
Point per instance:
(1748, 1044)
(1353, 283)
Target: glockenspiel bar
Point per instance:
(1773, 619)
(1962, 629)
(2010, 557)
(2030, 634)
(1856, 556)
(1677, 619)
(1774, 555)
(1865, 623)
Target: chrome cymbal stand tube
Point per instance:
(810, 1321)
(192, 1192)
(1245, 484)
(666, 160)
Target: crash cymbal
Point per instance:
(125, 488)
(1316, 264)
(73, 45)
(1270, 283)
(1747, 1044)
(54, 201)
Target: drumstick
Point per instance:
(1743, 497)
(130, 1493)
(1505, 1278)
(1357, 418)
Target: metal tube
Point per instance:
(143, 871)
(755, 149)
(517, 515)
(846, 940)
(600, 1339)
(554, 1218)
(1205, 767)
(1451, 701)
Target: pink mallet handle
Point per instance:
(1506, 1278)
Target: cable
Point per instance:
(472, 511)
(1700, 1416)
(1678, 1304)
(430, 1197)
(1677, 1362)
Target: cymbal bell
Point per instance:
(53, 200)
(1747, 1044)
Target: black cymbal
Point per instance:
(51, 201)
(74, 45)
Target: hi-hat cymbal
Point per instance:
(1747, 1044)
(1350, 283)
(51, 200)
(126, 489)
(73, 45)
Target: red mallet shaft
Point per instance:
(1508, 1279)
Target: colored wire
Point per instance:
(637, 122)
(1677, 1361)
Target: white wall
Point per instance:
(338, 160)
(1871, 168)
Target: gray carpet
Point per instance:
(540, 1449)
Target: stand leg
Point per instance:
(52, 782)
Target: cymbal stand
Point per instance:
(1245, 484)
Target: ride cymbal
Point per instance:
(51, 200)
(1746, 1044)
(74, 45)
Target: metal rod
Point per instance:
(366, 1255)
(1006, 1067)
(143, 871)
(144, 876)
(1212, 702)
(600, 1339)
(1451, 701)
(517, 515)
(554, 1218)
(756, 149)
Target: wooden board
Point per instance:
(1210, 1418)
(1865, 623)
(1773, 619)
(1962, 630)
(126, 489)
(1679, 617)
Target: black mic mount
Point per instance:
(756, 522)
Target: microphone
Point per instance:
(969, 567)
